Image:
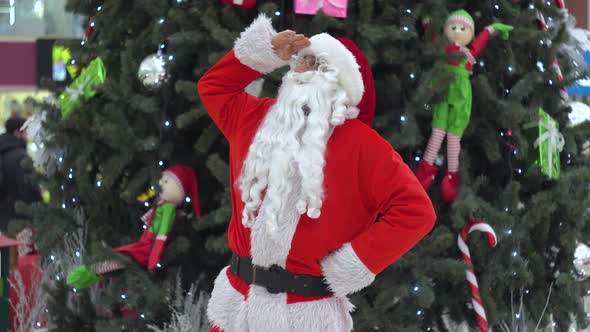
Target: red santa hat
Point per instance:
(186, 179)
(369, 99)
(337, 55)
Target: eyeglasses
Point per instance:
(309, 61)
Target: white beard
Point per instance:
(289, 147)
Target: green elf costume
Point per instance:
(451, 116)
(177, 182)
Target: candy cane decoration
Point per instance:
(543, 25)
(475, 225)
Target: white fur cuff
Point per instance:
(254, 48)
(344, 272)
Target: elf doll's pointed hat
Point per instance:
(185, 177)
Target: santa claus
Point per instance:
(309, 182)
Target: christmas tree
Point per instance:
(110, 146)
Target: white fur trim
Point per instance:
(341, 58)
(254, 48)
(462, 19)
(227, 308)
(344, 272)
(265, 312)
(326, 315)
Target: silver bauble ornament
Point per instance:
(152, 71)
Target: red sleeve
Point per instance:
(390, 187)
(479, 42)
(222, 92)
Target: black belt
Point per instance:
(276, 279)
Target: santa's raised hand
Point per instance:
(288, 42)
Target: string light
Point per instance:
(540, 66)
(416, 288)
(147, 204)
(92, 24)
(72, 62)
(144, 226)
(167, 123)
(63, 206)
(161, 163)
(510, 68)
(541, 41)
(550, 82)
(481, 63)
(162, 46)
(496, 6)
(78, 254)
(158, 265)
(406, 29)
(412, 75)
(82, 43)
(161, 20)
(74, 290)
(142, 315)
(417, 158)
(519, 171)
(517, 316)
(509, 232)
(73, 199)
(52, 257)
(409, 11)
(419, 312)
(188, 199)
(98, 183)
(402, 118)
(171, 57)
(277, 13)
(99, 8)
(514, 253)
(123, 296)
(57, 278)
(60, 159)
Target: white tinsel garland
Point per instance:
(189, 312)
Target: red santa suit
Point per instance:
(363, 177)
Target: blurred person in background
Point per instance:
(15, 182)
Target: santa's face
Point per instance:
(170, 190)
(287, 154)
(458, 32)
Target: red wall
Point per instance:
(18, 63)
(579, 9)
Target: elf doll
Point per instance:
(177, 183)
(451, 116)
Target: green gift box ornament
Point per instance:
(548, 144)
(83, 86)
